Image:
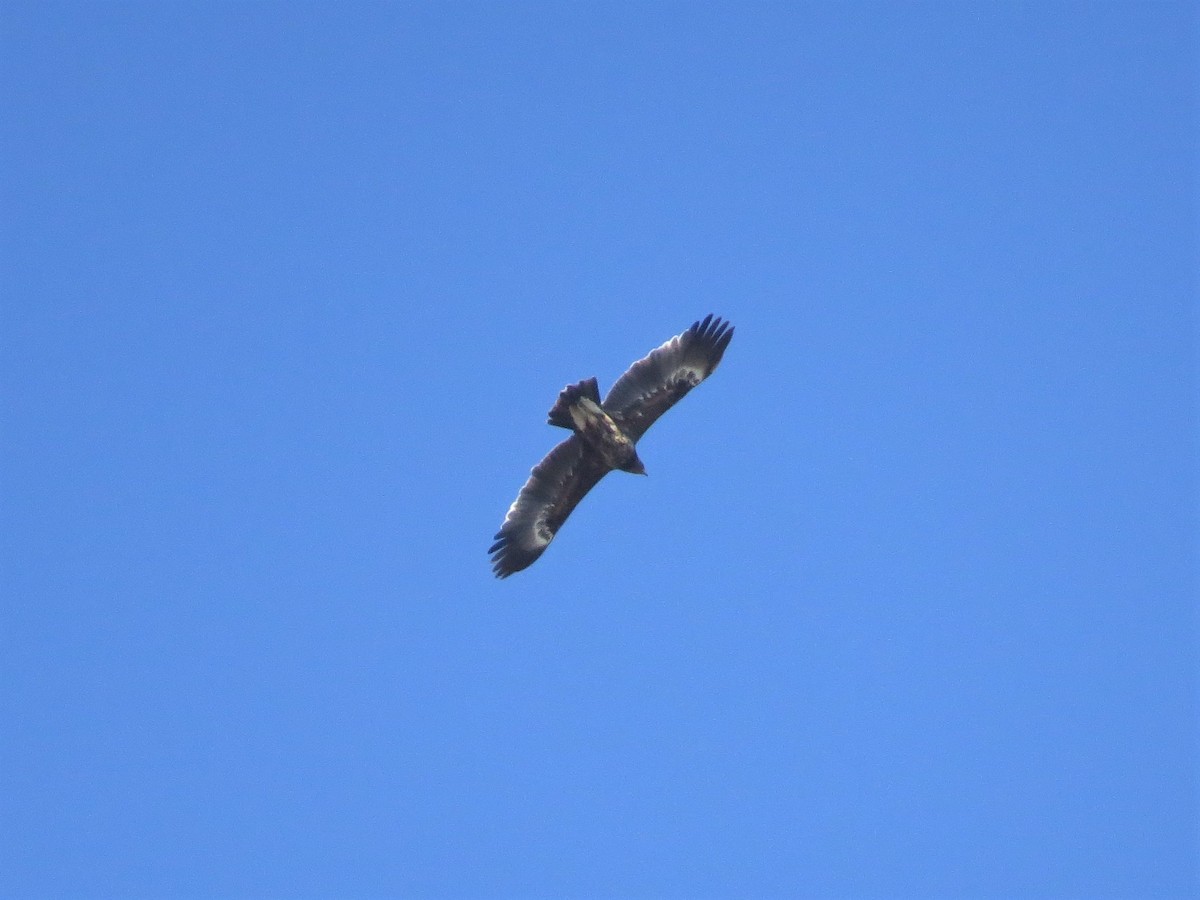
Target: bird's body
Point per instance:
(604, 438)
(578, 408)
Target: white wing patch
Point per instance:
(540, 535)
(535, 537)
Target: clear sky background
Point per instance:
(907, 604)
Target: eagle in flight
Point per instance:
(603, 437)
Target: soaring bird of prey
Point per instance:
(603, 437)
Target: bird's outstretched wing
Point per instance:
(554, 488)
(655, 384)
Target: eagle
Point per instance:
(604, 437)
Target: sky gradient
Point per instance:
(907, 606)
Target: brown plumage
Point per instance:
(604, 438)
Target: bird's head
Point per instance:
(634, 466)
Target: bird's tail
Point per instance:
(560, 413)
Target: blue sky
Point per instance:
(907, 605)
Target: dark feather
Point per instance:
(655, 384)
(554, 488)
(560, 412)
